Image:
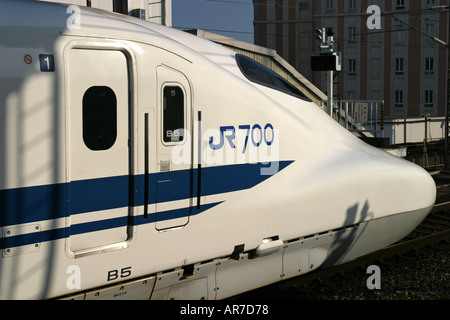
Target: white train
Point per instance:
(141, 162)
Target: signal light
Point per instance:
(321, 34)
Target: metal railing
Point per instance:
(360, 116)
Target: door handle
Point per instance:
(267, 247)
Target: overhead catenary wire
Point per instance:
(359, 40)
(434, 9)
(306, 38)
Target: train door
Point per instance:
(98, 162)
(174, 148)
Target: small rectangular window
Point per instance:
(398, 99)
(173, 114)
(399, 66)
(99, 118)
(429, 66)
(351, 66)
(400, 4)
(352, 4)
(329, 5)
(429, 99)
(400, 34)
(351, 35)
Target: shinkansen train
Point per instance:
(142, 162)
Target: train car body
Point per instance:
(141, 162)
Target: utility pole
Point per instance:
(330, 75)
(327, 60)
(447, 106)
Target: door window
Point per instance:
(99, 118)
(173, 114)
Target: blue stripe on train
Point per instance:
(82, 228)
(40, 203)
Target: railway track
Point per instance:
(434, 229)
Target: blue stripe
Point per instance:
(31, 204)
(40, 203)
(83, 228)
(98, 194)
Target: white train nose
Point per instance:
(400, 195)
(390, 186)
(406, 194)
(411, 187)
(427, 191)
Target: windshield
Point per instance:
(260, 74)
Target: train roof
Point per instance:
(32, 19)
(38, 24)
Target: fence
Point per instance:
(368, 117)
(360, 116)
(423, 136)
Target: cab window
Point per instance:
(260, 74)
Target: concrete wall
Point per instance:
(412, 130)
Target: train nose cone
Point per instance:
(391, 185)
(399, 196)
(416, 187)
(427, 186)
(406, 192)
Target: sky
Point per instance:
(231, 18)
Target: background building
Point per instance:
(396, 63)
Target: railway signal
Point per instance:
(328, 60)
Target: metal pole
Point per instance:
(382, 119)
(425, 142)
(330, 92)
(346, 115)
(447, 106)
(330, 39)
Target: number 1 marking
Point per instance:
(48, 63)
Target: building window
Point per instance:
(351, 67)
(329, 5)
(352, 4)
(429, 66)
(173, 114)
(398, 103)
(303, 8)
(400, 34)
(351, 35)
(400, 5)
(99, 118)
(399, 66)
(351, 95)
(429, 29)
(429, 99)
